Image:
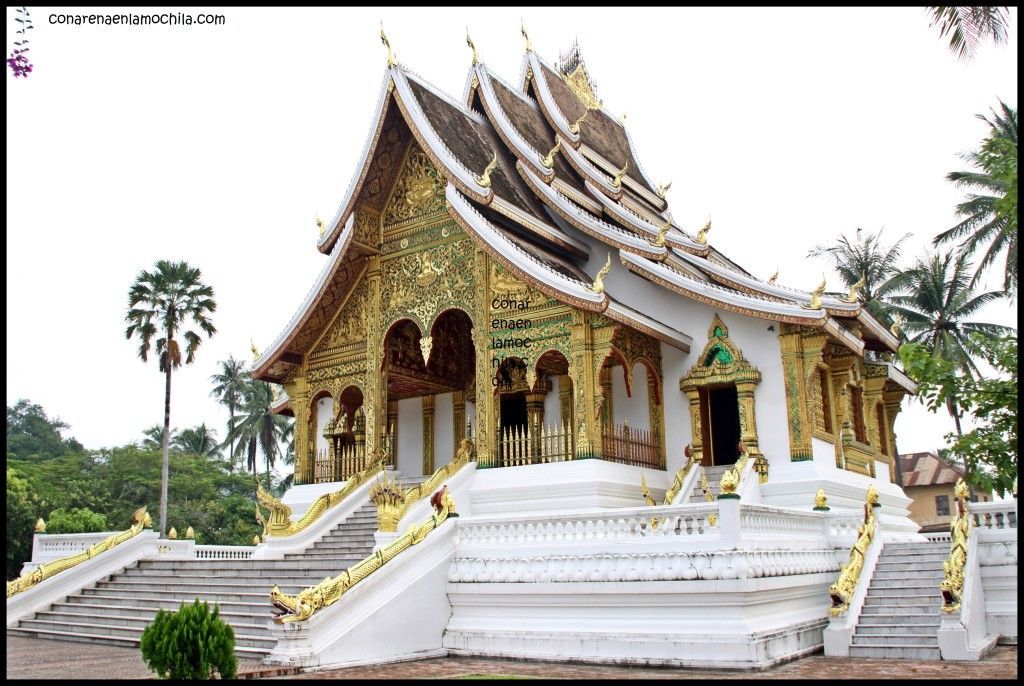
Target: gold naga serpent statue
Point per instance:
(301, 607)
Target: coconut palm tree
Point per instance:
(155, 437)
(865, 257)
(969, 26)
(199, 440)
(162, 303)
(259, 427)
(988, 224)
(937, 309)
(228, 389)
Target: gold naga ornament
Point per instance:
(387, 44)
(598, 285)
(952, 586)
(617, 180)
(731, 477)
(256, 540)
(301, 607)
(388, 496)
(320, 225)
(897, 322)
(485, 178)
(522, 30)
(702, 235)
(816, 294)
(662, 189)
(845, 586)
(659, 240)
(255, 351)
(140, 520)
(851, 297)
(549, 159)
(469, 42)
(774, 277)
(673, 490)
(575, 126)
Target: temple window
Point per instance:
(857, 409)
(826, 401)
(883, 444)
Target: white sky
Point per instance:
(219, 144)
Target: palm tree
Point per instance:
(936, 310)
(985, 221)
(199, 440)
(866, 258)
(228, 389)
(161, 303)
(259, 426)
(155, 437)
(969, 26)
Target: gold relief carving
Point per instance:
(350, 324)
(418, 191)
(425, 344)
(367, 228)
(484, 399)
(422, 285)
(579, 84)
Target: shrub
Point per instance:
(78, 520)
(192, 643)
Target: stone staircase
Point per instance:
(714, 482)
(117, 609)
(900, 617)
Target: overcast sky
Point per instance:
(219, 144)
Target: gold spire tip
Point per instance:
(522, 30)
(660, 240)
(485, 178)
(702, 235)
(662, 189)
(469, 42)
(617, 181)
(387, 44)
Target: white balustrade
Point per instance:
(994, 515)
(224, 552)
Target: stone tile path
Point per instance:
(34, 658)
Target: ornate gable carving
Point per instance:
(349, 326)
(720, 361)
(419, 190)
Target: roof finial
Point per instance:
(662, 189)
(773, 277)
(522, 30)
(851, 297)
(622, 119)
(387, 44)
(598, 286)
(897, 322)
(816, 295)
(255, 352)
(575, 126)
(660, 240)
(320, 225)
(617, 181)
(702, 235)
(549, 159)
(469, 42)
(485, 178)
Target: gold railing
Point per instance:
(624, 444)
(140, 520)
(841, 592)
(301, 607)
(952, 586)
(523, 445)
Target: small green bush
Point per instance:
(192, 643)
(78, 520)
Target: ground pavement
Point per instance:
(35, 658)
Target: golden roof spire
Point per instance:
(469, 42)
(255, 352)
(485, 178)
(617, 181)
(662, 189)
(549, 159)
(816, 294)
(702, 235)
(773, 277)
(575, 126)
(660, 240)
(851, 297)
(598, 286)
(387, 44)
(529, 45)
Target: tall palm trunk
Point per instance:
(165, 467)
(231, 433)
(954, 412)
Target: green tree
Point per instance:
(21, 517)
(229, 386)
(199, 440)
(192, 643)
(989, 451)
(936, 313)
(968, 27)
(78, 520)
(155, 437)
(989, 217)
(33, 435)
(867, 258)
(161, 303)
(259, 426)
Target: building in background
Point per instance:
(928, 480)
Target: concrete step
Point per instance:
(247, 596)
(222, 565)
(124, 641)
(155, 600)
(918, 545)
(907, 574)
(905, 640)
(912, 597)
(897, 619)
(896, 630)
(339, 563)
(185, 591)
(911, 585)
(896, 652)
(141, 608)
(889, 609)
(245, 624)
(346, 546)
(107, 631)
(921, 561)
(257, 575)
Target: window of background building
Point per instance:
(942, 505)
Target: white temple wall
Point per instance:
(553, 404)
(324, 412)
(410, 436)
(632, 409)
(678, 432)
(444, 436)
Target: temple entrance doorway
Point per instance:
(513, 411)
(720, 420)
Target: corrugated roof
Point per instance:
(927, 469)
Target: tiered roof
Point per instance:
(525, 168)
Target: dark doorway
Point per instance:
(513, 410)
(724, 424)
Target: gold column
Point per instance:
(374, 395)
(748, 422)
(428, 434)
(796, 393)
(840, 370)
(565, 398)
(297, 392)
(458, 418)
(607, 413)
(893, 403)
(392, 427)
(656, 418)
(585, 420)
(486, 440)
(697, 432)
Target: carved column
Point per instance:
(375, 389)
(565, 399)
(297, 393)
(428, 434)
(585, 420)
(697, 437)
(486, 440)
(748, 421)
(392, 430)
(893, 398)
(796, 393)
(656, 419)
(841, 370)
(458, 418)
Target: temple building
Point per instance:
(502, 267)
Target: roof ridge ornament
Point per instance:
(598, 286)
(469, 42)
(702, 235)
(549, 159)
(320, 225)
(387, 44)
(522, 30)
(574, 128)
(617, 181)
(897, 322)
(816, 296)
(659, 241)
(662, 189)
(851, 297)
(485, 178)
(255, 351)
(773, 277)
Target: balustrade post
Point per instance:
(729, 522)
